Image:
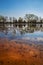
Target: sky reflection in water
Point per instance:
(12, 32)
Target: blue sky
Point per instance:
(19, 8)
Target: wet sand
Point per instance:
(18, 53)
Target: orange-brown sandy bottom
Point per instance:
(13, 53)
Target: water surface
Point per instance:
(26, 33)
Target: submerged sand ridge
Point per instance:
(16, 53)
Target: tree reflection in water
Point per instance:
(16, 30)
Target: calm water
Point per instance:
(26, 33)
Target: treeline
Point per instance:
(29, 18)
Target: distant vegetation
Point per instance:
(29, 18)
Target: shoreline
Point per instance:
(12, 52)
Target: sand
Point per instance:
(16, 53)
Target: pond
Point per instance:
(26, 33)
